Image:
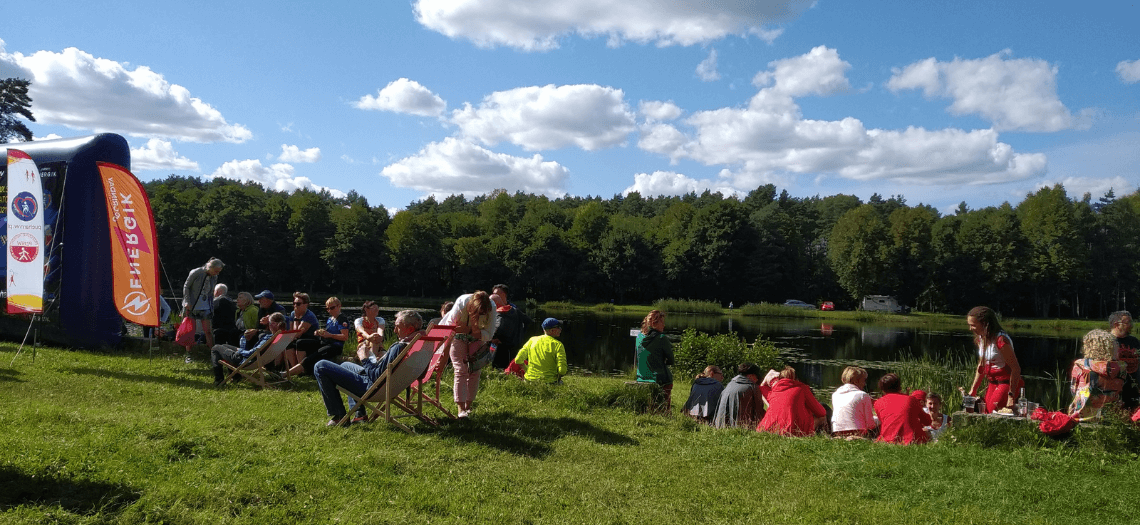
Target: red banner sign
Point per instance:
(134, 246)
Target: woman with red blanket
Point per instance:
(901, 416)
(792, 408)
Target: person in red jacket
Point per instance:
(901, 416)
(792, 408)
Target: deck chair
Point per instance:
(253, 367)
(384, 393)
(441, 336)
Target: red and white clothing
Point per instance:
(997, 372)
(792, 409)
(902, 419)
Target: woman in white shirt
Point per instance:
(853, 414)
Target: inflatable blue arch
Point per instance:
(79, 307)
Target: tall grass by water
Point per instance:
(118, 437)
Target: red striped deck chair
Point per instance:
(423, 387)
(253, 367)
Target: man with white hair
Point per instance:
(225, 313)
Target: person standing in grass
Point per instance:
(655, 355)
(475, 321)
(997, 363)
(740, 403)
(1121, 323)
(900, 415)
(197, 296)
(793, 409)
(853, 409)
(544, 355)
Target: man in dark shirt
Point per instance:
(225, 312)
(1121, 323)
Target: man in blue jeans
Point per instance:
(358, 378)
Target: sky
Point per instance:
(938, 102)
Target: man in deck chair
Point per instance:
(235, 355)
(358, 378)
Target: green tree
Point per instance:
(1048, 222)
(14, 105)
(857, 250)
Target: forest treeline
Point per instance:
(1051, 255)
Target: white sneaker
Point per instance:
(463, 414)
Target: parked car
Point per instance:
(827, 305)
(883, 303)
(793, 303)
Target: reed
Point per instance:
(688, 306)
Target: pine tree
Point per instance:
(15, 103)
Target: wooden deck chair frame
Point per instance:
(253, 367)
(440, 358)
(377, 401)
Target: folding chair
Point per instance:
(440, 335)
(405, 368)
(253, 367)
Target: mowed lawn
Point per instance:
(102, 437)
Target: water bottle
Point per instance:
(1023, 405)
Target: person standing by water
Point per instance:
(997, 363)
(655, 355)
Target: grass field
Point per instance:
(90, 437)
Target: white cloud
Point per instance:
(818, 72)
(50, 136)
(1014, 94)
(455, 166)
(404, 96)
(77, 90)
(769, 140)
(1129, 71)
(588, 116)
(538, 26)
(673, 183)
(295, 154)
(159, 154)
(706, 70)
(279, 177)
(662, 139)
(654, 110)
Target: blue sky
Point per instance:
(943, 102)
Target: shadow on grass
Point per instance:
(524, 435)
(207, 383)
(8, 374)
(46, 489)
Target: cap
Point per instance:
(551, 322)
(265, 294)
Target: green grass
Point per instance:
(122, 438)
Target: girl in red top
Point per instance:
(792, 408)
(900, 415)
(996, 361)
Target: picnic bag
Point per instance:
(185, 334)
